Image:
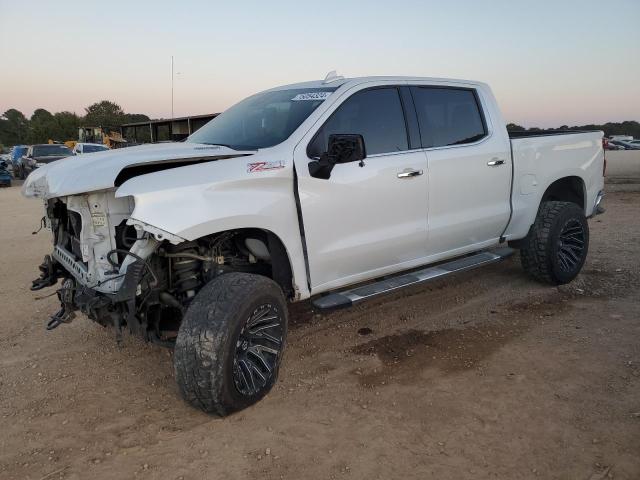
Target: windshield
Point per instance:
(93, 148)
(50, 151)
(262, 120)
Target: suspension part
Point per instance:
(185, 271)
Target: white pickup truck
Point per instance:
(334, 190)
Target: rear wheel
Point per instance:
(230, 343)
(556, 248)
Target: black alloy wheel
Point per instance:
(258, 350)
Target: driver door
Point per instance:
(367, 219)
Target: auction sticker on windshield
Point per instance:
(312, 96)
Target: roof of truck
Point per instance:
(339, 81)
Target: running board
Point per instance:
(347, 298)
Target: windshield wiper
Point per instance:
(218, 145)
(232, 147)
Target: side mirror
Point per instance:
(347, 148)
(343, 148)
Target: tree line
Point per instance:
(628, 127)
(42, 126)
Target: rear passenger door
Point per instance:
(469, 168)
(368, 218)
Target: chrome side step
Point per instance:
(347, 298)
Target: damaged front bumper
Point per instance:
(113, 309)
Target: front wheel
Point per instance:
(556, 248)
(230, 343)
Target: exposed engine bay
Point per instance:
(122, 273)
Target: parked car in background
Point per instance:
(40, 155)
(613, 146)
(630, 145)
(6, 157)
(618, 143)
(5, 176)
(81, 148)
(15, 157)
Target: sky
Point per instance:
(549, 62)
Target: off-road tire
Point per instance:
(208, 339)
(539, 252)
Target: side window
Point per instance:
(448, 116)
(375, 114)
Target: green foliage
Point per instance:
(40, 126)
(60, 126)
(104, 114)
(14, 128)
(66, 125)
(135, 117)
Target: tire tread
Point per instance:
(535, 253)
(201, 344)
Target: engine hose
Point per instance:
(137, 257)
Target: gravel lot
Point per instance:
(486, 375)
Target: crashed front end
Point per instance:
(136, 234)
(105, 261)
(124, 273)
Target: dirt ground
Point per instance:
(485, 375)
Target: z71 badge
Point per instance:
(264, 166)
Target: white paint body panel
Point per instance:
(98, 171)
(468, 199)
(363, 222)
(540, 161)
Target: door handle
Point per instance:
(409, 172)
(495, 162)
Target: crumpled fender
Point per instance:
(190, 202)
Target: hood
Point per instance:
(105, 170)
(49, 158)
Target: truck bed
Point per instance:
(541, 157)
(544, 133)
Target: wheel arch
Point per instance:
(570, 188)
(566, 189)
(280, 258)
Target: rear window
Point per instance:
(50, 151)
(448, 116)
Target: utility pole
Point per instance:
(171, 87)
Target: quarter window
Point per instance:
(448, 116)
(376, 114)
